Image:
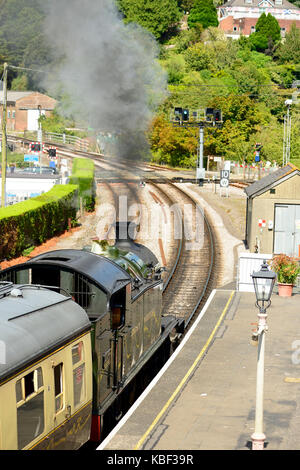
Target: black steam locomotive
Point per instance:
(79, 332)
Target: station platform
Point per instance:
(204, 397)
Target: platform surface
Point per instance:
(204, 398)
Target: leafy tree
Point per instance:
(267, 28)
(55, 122)
(172, 145)
(242, 118)
(203, 12)
(250, 79)
(289, 51)
(186, 5)
(21, 38)
(157, 16)
(199, 57)
(295, 2)
(20, 83)
(175, 67)
(187, 38)
(19, 23)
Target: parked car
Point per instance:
(38, 170)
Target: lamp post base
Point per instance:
(258, 440)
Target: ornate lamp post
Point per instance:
(263, 282)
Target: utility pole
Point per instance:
(40, 138)
(287, 124)
(4, 146)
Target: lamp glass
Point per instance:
(263, 288)
(263, 282)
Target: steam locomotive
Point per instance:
(79, 329)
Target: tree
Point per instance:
(199, 57)
(20, 83)
(21, 38)
(267, 29)
(157, 16)
(174, 146)
(186, 5)
(242, 118)
(203, 12)
(250, 79)
(289, 51)
(175, 66)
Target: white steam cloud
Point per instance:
(108, 69)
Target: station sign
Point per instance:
(31, 158)
(224, 178)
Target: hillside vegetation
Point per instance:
(249, 79)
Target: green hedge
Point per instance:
(83, 172)
(34, 221)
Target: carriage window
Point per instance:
(29, 384)
(58, 387)
(30, 407)
(78, 373)
(117, 306)
(77, 353)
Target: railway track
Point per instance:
(190, 277)
(190, 270)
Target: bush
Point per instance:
(286, 268)
(34, 221)
(83, 176)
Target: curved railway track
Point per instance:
(190, 277)
(191, 270)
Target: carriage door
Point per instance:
(287, 229)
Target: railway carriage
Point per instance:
(120, 290)
(45, 370)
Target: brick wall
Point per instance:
(17, 117)
(231, 25)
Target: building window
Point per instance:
(248, 1)
(30, 407)
(252, 29)
(8, 114)
(278, 2)
(235, 28)
(13, 114)
(282, 32)
(78, 373)
(58, 387)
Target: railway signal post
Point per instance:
(209, 117)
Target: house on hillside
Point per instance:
(239, 17)
(24, 109)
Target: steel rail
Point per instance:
(180, 253)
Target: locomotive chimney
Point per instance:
(125, 232)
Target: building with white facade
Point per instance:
(239, 17)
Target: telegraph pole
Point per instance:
(40, 138)
(287, 134)
(4, 146)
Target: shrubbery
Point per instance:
(34, 221)
(83, 176)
